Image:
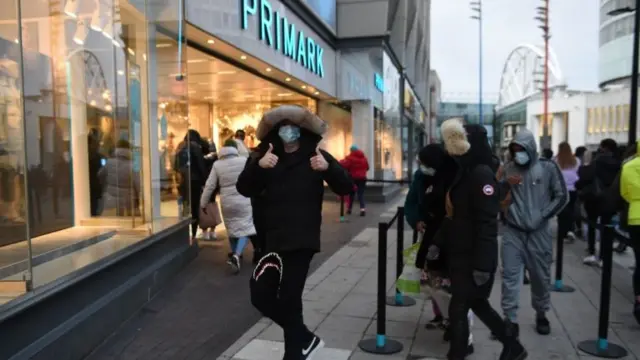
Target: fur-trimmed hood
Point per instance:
(454, 136)
(298, 115)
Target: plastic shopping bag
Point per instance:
(409, 280)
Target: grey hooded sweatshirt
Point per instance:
(542, 193)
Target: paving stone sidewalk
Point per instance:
(340, 306)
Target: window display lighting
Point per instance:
(81, 32)
(71, 8)
(98, 21)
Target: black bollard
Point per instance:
(380, 344)
(558, 285)
(602, 347)
(400, 299)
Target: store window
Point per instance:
(591, 120)
(388, 130)
(78, 86)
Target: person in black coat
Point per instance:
(594, 178)
(471, 233)
(289, 175)
(194, 171)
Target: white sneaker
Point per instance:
(592, 260)
(571, 237)
(312, 349)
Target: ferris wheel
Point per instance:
(523, 74)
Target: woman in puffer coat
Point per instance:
(236, 209)
(121, 182)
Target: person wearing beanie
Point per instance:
(469, 235)
(357, 166)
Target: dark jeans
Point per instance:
(194, 203)
(566, 217)
(592, 223)
(361, 185)
(286, 309)
(465, 296)
(634, 232)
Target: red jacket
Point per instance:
(356, 164)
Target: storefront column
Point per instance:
(151, 174)
(79, 138)
(363, 133)
(558, 131)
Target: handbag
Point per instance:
(209, 217)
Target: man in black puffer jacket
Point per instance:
(471, 238)
(289, 176)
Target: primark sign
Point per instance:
(277, 32)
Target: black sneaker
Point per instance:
(435, 323)
(234, 262)
(512, 330)
(470, 349)
(636, 311)
(363, 212)
(542, 325)
(513, 350)
(312, 348)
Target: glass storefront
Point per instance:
(79, 170)
(388, 127)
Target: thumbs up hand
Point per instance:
(318, 162)
(269, 160)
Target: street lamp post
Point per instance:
(543, 19)
(633, 103)
(476, 7)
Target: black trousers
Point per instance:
(592, 223)
(286, 309)
(465, 296)
(566, 218)
(194, 203)
(634, 232)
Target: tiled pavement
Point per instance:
(340, 307)
(204, 309)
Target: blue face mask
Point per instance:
(521, 158)
(429, 171)
(289, 133)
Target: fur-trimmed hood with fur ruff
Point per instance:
(298, 115)
(454, 136)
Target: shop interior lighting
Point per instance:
(225, 72)
(304, 86)
(16, 41)
(120, 72)
(81, 32)
(108, 107)
(243, 57)
(285, 94)
(71, 8)
(163, 45)
(287, 79)
(97, 21)
(211, 41)
(130, 50)
(316, 93)
(268, 69)
(195, 61)
(92, 103)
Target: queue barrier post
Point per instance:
(558, 285)
(400, 300)
(380, 344)
(601, 347)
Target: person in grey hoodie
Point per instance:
(527, 240)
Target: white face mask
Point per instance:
(429, 171)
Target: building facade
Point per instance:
(582, 118)
(616, 43)
(98, 97)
